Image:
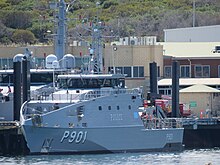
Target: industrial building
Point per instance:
(193, 34)
(197, 59)
(197, 49)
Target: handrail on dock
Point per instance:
(204, 121)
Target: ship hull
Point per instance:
(44, 140)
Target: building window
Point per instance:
(38, 62)
(168, 92)
(138, 71)
(127, 71)
(118, 107)
(165, 92)
(110, 70)
(129, 107)
(141, 71)
(202, 71)
(135, 71)
(167, 71)
(206, 71)
(6, 63)
(184, 71)
(80, 61)
(119, 70)
(161, 92)
(109, 107)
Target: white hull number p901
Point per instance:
(74, 136)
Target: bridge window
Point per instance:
(91, 83)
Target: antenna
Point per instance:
(96, 48)
(95, 28)
(60, 36)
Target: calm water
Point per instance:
(188, 157)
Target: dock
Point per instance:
(201, 133)
(12, 141)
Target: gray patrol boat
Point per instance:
(96, 113)
(93, 112)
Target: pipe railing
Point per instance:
(157, 123)
(89, 94)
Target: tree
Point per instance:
(14, 2)
(18, 19)
(3, 3)
(5, 34)
(23, 37)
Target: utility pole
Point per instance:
(194, 12)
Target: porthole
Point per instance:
(100, 108)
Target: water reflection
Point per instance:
(200, 157)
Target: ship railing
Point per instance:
(28, 112)
(33, 114)
(69, 96)
(158, 123)
(108, 92)
(24, 112)
(42, 93)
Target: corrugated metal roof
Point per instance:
(190, 81)
(190, 49)
(199, 88)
